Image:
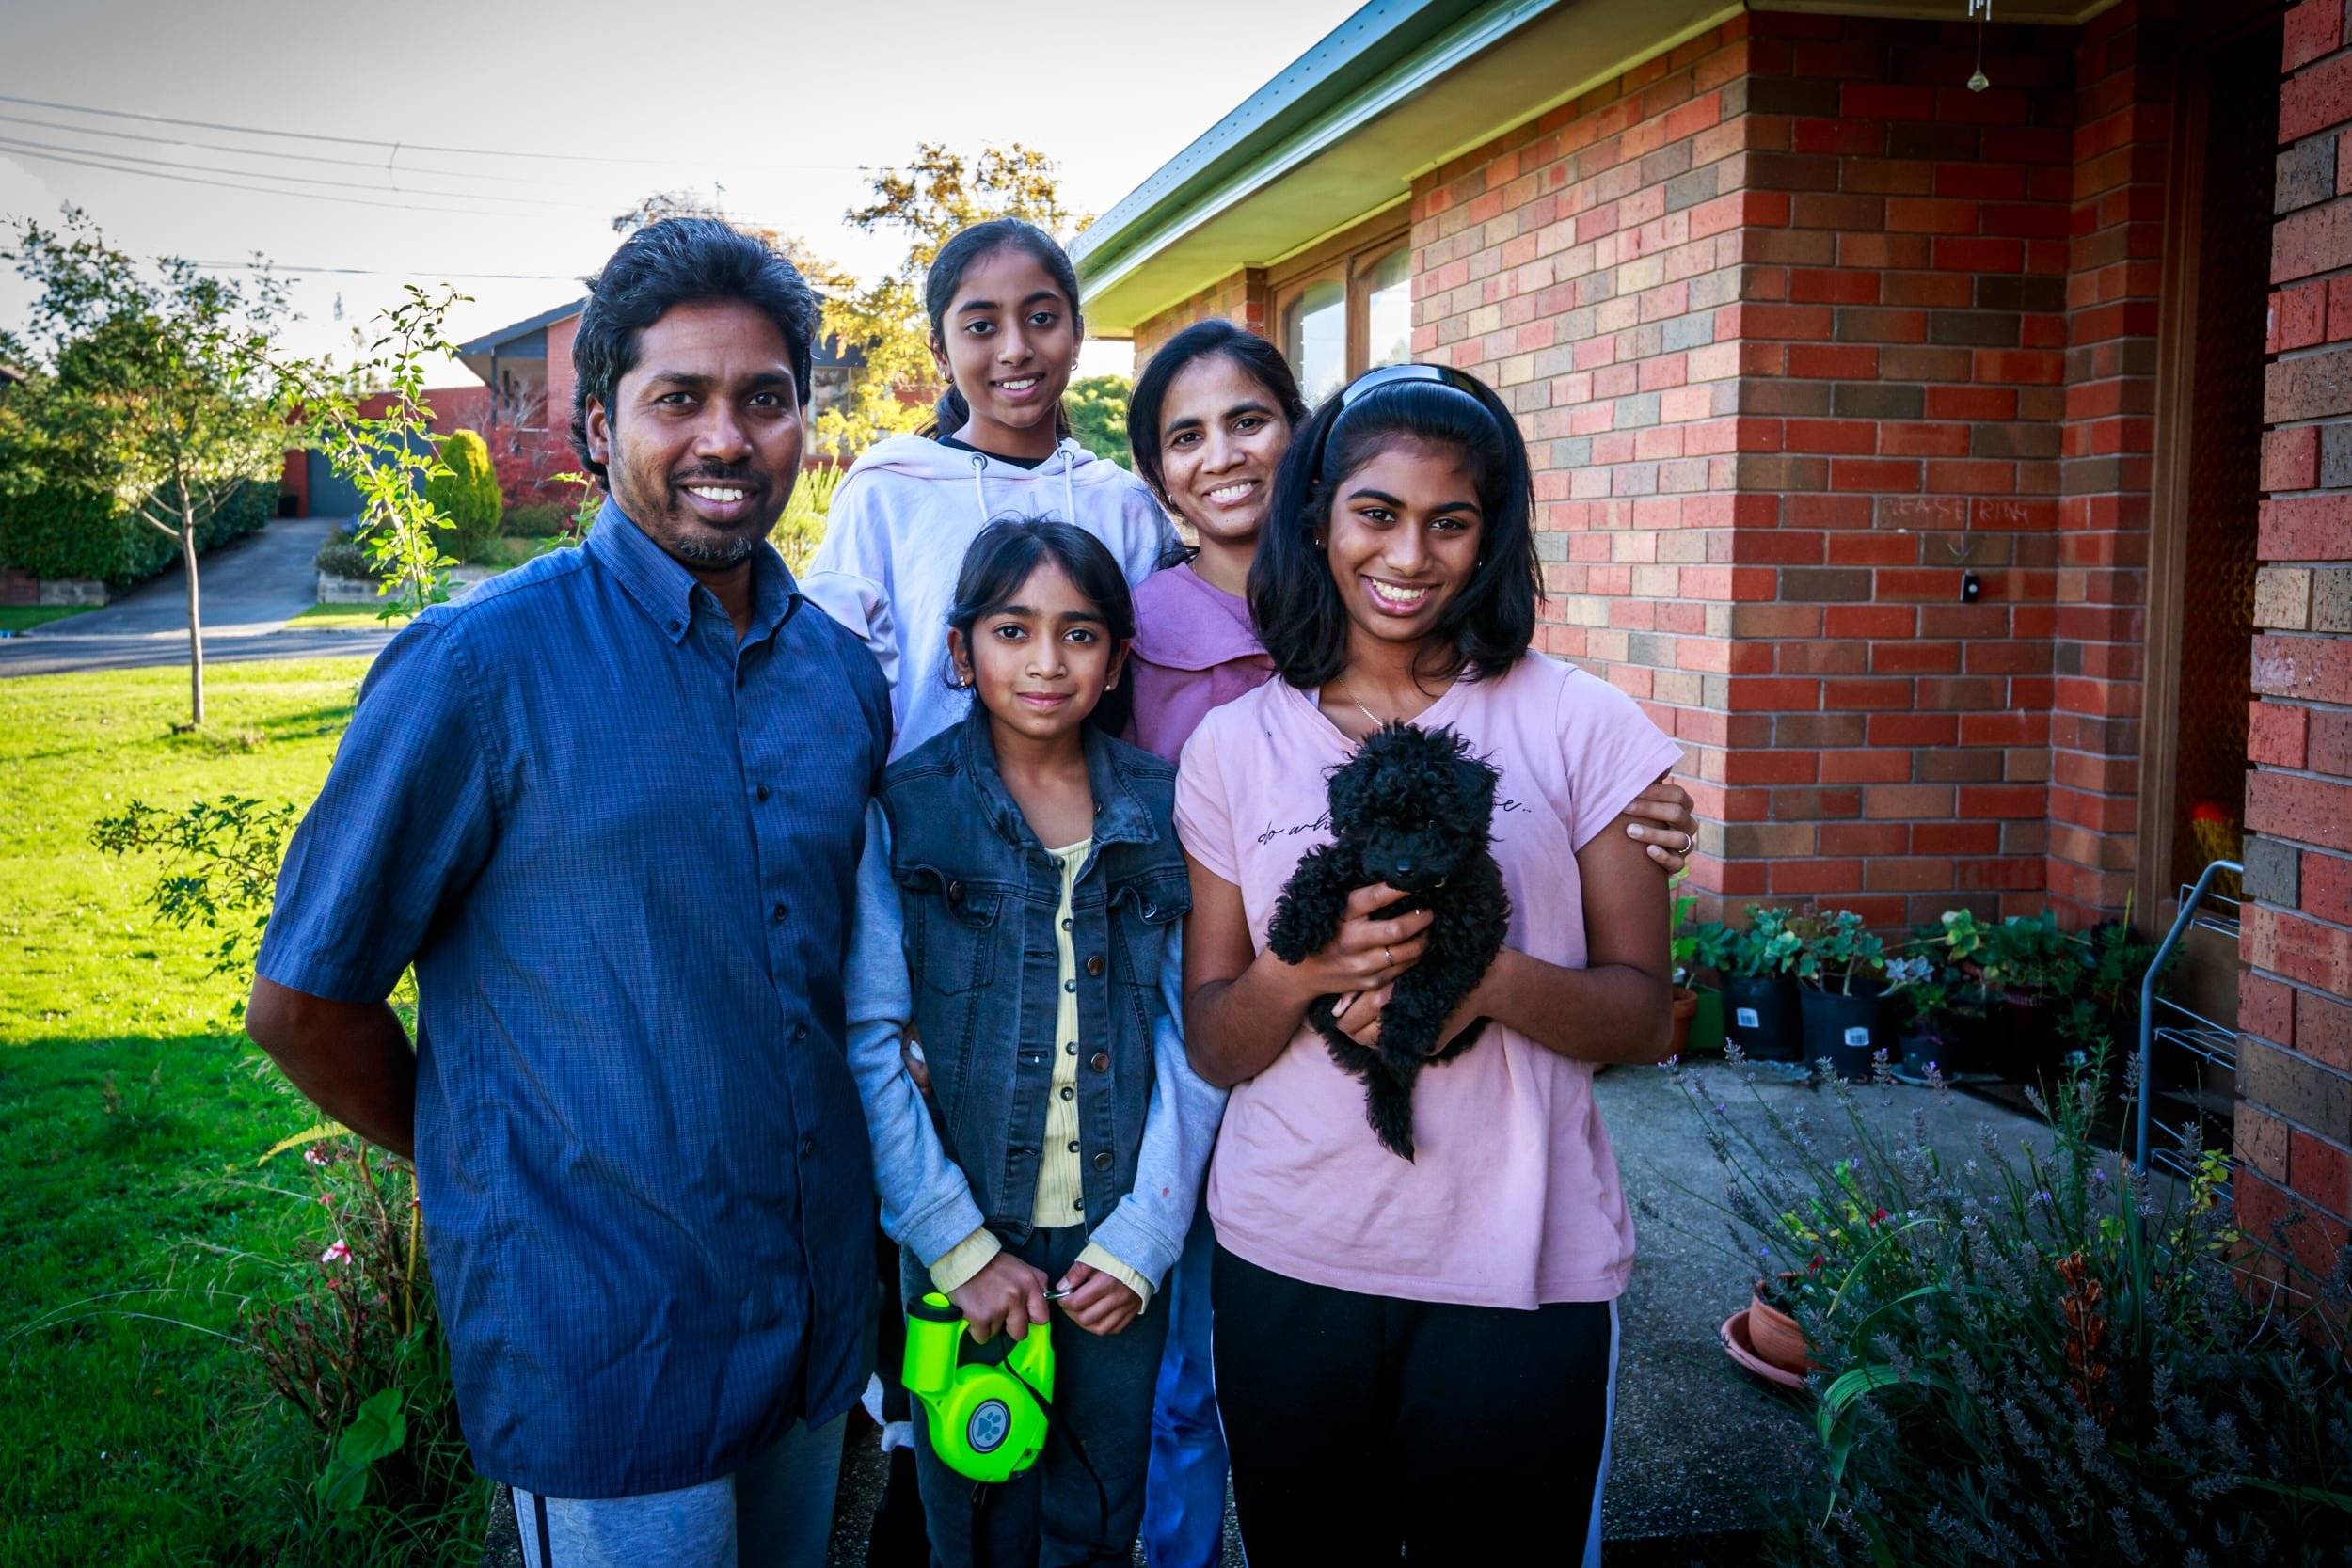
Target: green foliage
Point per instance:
(538, 519)
(376, 1432)
(2037, 1359)
(219, 866)
(1836, 950)
(801, 527)
(1765, 946)
(345, 557)
(936, 195)
(369, 420)
(73, 531)
(1097, 407)
(466, 492)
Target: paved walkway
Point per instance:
(249, 590)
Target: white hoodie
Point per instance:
(896, 538)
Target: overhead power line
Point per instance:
(271, 190)
(16, 144)
(259, 151)
(395, 148)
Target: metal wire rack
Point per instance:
(2188, 1062)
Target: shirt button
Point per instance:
(1070, 1048)
(1078, 1204)
(1073, 1146)
(1095, 965)
(1069, 984)
(809, 1147)
(800, 1034)
(1103, 1159)
(779, 913)
(674, 627)
(1068, 1092)
(1099, 1061)
(761, 793)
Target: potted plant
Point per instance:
(1698, 1010)
(1923, 990)
(1838, 968)
(2025, 973)
(1760, 989)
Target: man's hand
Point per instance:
(1097, 1301)
(1005, 1297)
(1671, 831)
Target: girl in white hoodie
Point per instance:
(1006, 327)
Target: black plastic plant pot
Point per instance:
(1921, 1052)
(1760, 1016)
(1845, 1028)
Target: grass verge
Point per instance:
(133, 1430)
(347, 617)
(24, 617)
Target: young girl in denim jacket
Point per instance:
(1019, 905)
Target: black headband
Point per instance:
(1444, 376)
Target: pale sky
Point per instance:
(778, 103)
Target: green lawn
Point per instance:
(24, 617)
(345, 617)
(135, 1112)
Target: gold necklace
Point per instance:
(1377, 722)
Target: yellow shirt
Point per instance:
(1061, 1174)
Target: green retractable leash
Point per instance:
(987, 1421)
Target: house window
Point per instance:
(1348, 307)
(1314, 337)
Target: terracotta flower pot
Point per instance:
(1775, 1337)
(1686, 1008)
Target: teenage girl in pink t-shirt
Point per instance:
(1417, 1355)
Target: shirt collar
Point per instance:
(665, 589)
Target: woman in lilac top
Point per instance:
(1210, 419)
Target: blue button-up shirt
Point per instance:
(620, 848)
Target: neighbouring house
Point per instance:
(522, 409)
(1963, 473)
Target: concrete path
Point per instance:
(249, 590)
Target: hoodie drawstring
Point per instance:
(1065, 450)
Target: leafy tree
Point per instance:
(823, 275)
(369, 420)
(467, 494)
(1097, 406)
(156, 389)
(937, 194)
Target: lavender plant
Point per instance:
(2030, 1356)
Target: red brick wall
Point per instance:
(2295, 1068)
(2122, 126)
(1240, 299)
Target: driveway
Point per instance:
(250, 588)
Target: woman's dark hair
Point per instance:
(1293, 599)
(1001, 559)
(951, 413)
(1259, 359)
(672, 263)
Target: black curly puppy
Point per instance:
(1411, 808)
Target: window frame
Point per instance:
(1348, 259)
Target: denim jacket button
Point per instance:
(1099, 1061)
(955, 893)
(1103, 1159)
(1095, 965)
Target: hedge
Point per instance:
(468, 496)
(81, 533)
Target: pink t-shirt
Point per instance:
(1194, 650)
(1513, 1198)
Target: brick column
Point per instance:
(2295, 1068)
(1240, 299)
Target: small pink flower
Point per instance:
(317, 1155)
(334, 1254)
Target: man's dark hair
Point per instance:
(1293, 600)
(672, 263)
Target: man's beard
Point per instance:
(725, 551)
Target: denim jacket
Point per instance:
(956, 905)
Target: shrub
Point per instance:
(468, 496)
(1097, 407)
(347, 557)
(801, 528)
(2037, 1359)
(72, 531)
(537, 520)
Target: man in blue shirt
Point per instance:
(610, 806)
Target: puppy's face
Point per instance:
(1416, 803)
